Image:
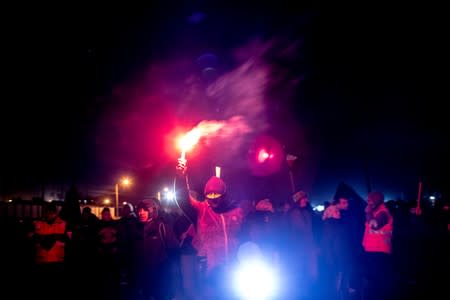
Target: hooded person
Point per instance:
(152, 245)
(215, 194)
(218, 222)
(218, 225)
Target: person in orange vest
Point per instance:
(49, 236)
(377, 243)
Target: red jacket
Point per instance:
(216, 236)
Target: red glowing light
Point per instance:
(263, 155)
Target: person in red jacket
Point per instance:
(218, 224)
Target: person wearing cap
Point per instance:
(152, 245)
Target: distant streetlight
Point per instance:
(125, 182)
(107, 201)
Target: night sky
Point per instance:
(93, 92)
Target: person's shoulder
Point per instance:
(60, 221)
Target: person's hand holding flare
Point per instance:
(181, 166)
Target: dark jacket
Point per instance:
(152, 243)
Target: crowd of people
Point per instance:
(352, 250)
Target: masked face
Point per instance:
(214, 192)
(214, 199)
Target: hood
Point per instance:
(215, 185)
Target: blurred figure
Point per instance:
(302, 245)
(49, 237)
(336, 248)
(377, 243)
(259, 227)
(84, 242)
(125, 226)
(108, 256)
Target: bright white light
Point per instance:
(319, 208)
(124, 203)
(170, 195)
(432, 198)
(254, 280)
(166, 189)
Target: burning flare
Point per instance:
(203, 129)
(188, 141)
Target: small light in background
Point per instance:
(124, 203)
(107, 201)
(319, 208)
(126, 181)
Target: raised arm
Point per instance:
(186, 195)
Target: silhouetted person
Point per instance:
(153, 245)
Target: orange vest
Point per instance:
(56, 252)
(379, 240)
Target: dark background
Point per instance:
(367, 108)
